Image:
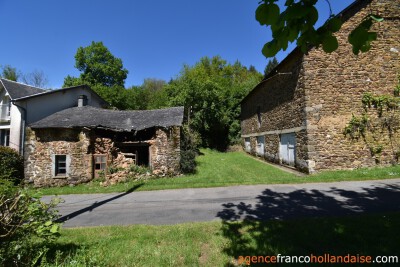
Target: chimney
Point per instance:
(82, 101)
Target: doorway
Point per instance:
(287, 149)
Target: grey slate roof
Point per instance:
(18, 90)
(117, 120)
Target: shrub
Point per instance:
(189, 149)
(11, 164)
(26, 226)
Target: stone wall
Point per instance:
(42, 145)
(318, 98)
(336, 82)
(165, 151)
(276, 106)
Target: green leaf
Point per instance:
(55, 229)
(335, 24)
(330, 43)
(48, 223)
(267, 14)
(270, 49)
(312, 16)
(377, 18)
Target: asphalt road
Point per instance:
(262, 202)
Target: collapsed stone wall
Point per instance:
(79, 146)
(165, 151)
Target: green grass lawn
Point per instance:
(221, 243)
(227, 169)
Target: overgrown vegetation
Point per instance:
(27, 229)
(379, 124)
(11, 165)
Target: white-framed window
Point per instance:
(60, 165)
(247, 144)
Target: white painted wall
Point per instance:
(15, 127)
(42, 106)
(45, 105)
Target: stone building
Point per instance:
(76, 144)
(297, 114)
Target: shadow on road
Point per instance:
(95, 205)
(315, 222)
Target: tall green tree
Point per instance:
(297, 23)
(211, 91)
(10, 73)
(272, 63)
(102, 71)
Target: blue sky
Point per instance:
(153, 38)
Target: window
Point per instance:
(259, 116)
(4, 137)
(61, 165)
(247, 145)
(100, 162)
(260, 145)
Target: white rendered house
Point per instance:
(22, 104)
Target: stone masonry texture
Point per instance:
(316, 94)
(80, 145)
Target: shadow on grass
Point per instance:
(301, 222)
(96, 204)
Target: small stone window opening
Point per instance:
(61, 165)
(100, 162)
(259, 116)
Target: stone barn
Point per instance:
(76, 144)
(298, 114)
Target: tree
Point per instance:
(297, 22)
(9, 73)
(103, 72)
(270, 66)
(36, 78)
(211, 91)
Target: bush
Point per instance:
(189, 149)
(11, 164)
(26, 226)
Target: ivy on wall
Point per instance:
(379, 124)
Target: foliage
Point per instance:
(136, 169)
(26, 226)
(297, 22)
(375, 127)
(10, 73)
(150, 95)
(211, 91)
(99, 66)
(190, 141)
(11, 165)
(272, 63)
(102, 71)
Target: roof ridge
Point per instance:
(24, 84)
